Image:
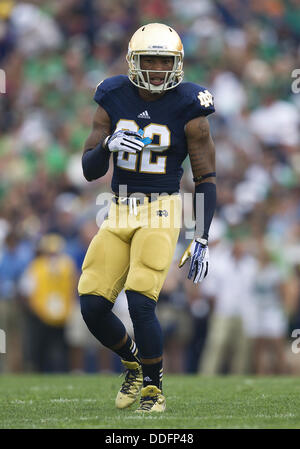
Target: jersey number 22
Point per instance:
(129, 162)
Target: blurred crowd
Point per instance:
(54, 53)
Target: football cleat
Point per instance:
(131, 386)
(152, 400)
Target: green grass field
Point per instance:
(193, 402)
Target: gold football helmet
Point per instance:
(155, 39)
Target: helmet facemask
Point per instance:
(141, 77)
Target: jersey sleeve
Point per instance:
(107, 90)
(100, 95)
(200, 102)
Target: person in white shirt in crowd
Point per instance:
(199, 305)
(267, 323)
(229, 286)
(276, 122)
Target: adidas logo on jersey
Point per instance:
(147, 379)
(144, 115)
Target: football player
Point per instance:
(149, 121)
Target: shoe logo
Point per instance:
(147, 379)
(162, 213)
(144, 115)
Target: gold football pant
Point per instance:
(133, 249)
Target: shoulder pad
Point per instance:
(108, 85)
(198, 98)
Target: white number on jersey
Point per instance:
(129, 161)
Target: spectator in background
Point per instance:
(229, 287)
(7, 36)
(267, 316)
(200, 309)
(293, 308)
(36, 31)
(173, 314)
(49, 286)
(14, 258)
(200, 305)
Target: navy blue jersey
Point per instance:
(158, 168)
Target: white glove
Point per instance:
(199, 254)
(124, 140)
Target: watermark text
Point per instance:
(155, 211)
(296, 83)
(2, 82)
(296, 343)
(2, 342)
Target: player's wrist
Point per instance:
(202, 241)
(105, 143)
(95, 162)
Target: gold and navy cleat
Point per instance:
(152, 400)
(131, 387)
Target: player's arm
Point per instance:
(202, 156)
(101, 129)
(95, 158)
(201, 151)
(100, 144)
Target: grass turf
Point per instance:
(193, 402)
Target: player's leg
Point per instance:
(110, 331)
(103, 275)
(107, 327)
(151, 254)
(148, 335)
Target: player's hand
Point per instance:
(198, 254)
(124, 140)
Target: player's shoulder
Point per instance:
(112, 83)
(109, 85)
(199, 97)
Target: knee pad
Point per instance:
(141, 308)
(142, 279)
(153, 260)
(88, 283)
(156, 251)
(94, 307)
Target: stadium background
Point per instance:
(54, 53)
